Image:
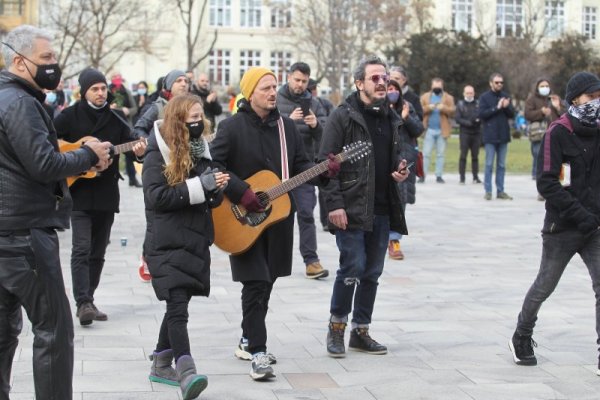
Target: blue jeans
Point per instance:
(362, 255)
(535, 149)
(306, 201)
(434, 137)
(498, 151)
(557, 251)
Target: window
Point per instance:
(248, 58)
(11, 7)
(462, 13)
(555, 18)
(281, 61)
(590, 22)
(220, 13)
(219, 67)
(250, 13)
(509, 18)
(281, 14)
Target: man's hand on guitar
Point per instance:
(333, 167)
(140, 148)
(102, 151)
(251, 202)
(339, 218)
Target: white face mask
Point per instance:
(469, 99)
(544, 91)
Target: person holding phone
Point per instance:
(296, 101)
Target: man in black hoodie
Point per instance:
(96, 200)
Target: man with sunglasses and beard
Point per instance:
(34, 203)
(363, 202)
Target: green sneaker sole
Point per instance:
(196, 386)
(165, 381)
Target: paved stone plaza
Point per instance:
(445, 312)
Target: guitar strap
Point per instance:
(285, 173)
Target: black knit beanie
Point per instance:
(88, 78)
(580, 83)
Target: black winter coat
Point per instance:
(33, 190)
(408, 133)
(576, 206)
(102, 192)
(353, 189)
(244, 145)
(496, 129)
(467, 117)
(178, 233)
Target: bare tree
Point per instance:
(192, 20)
(421, 10)
(98, 33)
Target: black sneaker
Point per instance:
(521, 348)
(335, 339)
(361, 341)
(439, 179)
(261, 368)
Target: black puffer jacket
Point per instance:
(353, 189)
(178, 233)
(33, 190)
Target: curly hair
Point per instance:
(177, 137)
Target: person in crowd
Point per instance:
(96, 200)
(50, 103)
(180, 188)
(495, 109)
(363, 203)
(328, 107)
(400, 75)
(248, 142)
(438, 109)
(152, 97)
(568, 176)
(296, 102)
(175, 84)
(212, 107)
(467, 118)
(541, 108)
(140, 98)
(409, 131)
(34, 203)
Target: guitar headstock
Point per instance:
(355, 151)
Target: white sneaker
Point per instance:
(242, 352)
(261, 368)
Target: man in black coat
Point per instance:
(467, 118)
(96, 200)
(34, 203)
(210, 101)
(246, 143)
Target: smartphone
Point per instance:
(410, 164)
(305, 106)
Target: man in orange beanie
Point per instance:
(248, 142)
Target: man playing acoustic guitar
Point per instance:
(246, 143)
(95, 201)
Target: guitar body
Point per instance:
(65, 146)
(235, 233)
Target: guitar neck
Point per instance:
(299, 179)
(125, 147)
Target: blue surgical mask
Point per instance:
(544, 91)
(393, 97)
(142, 91)
(50, 97)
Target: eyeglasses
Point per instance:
(378, 78)
(499, 83)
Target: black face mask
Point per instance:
(437, 91)
(195, 129)
(47, 75)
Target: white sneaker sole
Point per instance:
(261, 377)
(243, 355)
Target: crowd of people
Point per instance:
(283, 129)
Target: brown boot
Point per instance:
(315, 271)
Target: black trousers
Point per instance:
(255, 304)
(30, 276)
(469, 142)
(173, 330)
(91, 233)
(129, 167)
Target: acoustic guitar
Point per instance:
(65, 146)
(236, 230)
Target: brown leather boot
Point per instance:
(315, 271)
